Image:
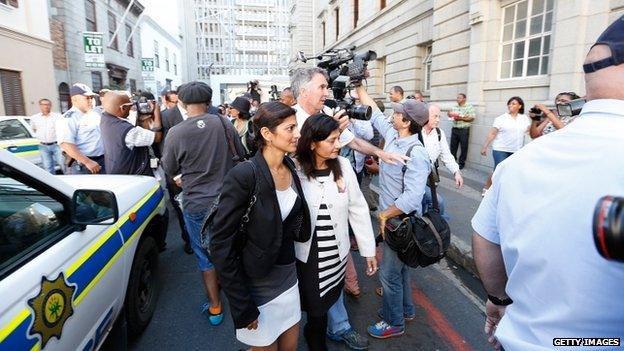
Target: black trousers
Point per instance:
(315, 332)
(174, 190)
(459, 138)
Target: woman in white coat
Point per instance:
(335, 200)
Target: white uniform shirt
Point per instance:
(345, 137)
(511, 131)
(437, 149)
(539, 210)
(45, 126)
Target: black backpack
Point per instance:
(419, 240)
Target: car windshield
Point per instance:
(13, 129)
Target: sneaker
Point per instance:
(382, 330)
(354, 340)
(406, 317)
(215, 314)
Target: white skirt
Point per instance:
(276, 316)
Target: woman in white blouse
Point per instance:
(334, 200)
(437, 147)
(507, 134)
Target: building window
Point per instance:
(132, 85)
(167, 59)
(337, 15)
(64, 99)
(382, 4)
(96, 80)
(13, 3)
(12, 94)
(130, 46)
(356, 12)
(527, 29)
(112, 27)
(427, 68)
(323, 28)
(175, 64)
(156, 55)
(90, 16)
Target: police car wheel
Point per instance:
(143, 286)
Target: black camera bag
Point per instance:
(419, 240)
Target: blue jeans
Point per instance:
(500, 156)
(193, 223)
(78, 168)
(427, 203)
(337, 318)
(397, 288)
(51, 155)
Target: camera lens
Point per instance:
(362, 112)
(608, 233)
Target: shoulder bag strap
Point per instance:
(430, 179)
(235, 156)
(252, 200)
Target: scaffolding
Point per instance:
(242, 37)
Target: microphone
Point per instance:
(330, 103)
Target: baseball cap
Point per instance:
(195, 93)
(413, 109)
(613, 37)
(81, 89)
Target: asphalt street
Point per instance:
(449, 302)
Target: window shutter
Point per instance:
(12, 94)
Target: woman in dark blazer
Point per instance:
(256, 267)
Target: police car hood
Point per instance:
(127, 189)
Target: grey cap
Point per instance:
(81, 89)
(414, 110)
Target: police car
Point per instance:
(17, 137)
(78, 254)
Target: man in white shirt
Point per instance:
(533, 242)
(44, 126)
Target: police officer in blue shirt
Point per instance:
(79, 134)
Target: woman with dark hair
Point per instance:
(256, 261)
(552, 121)
(239, 111)
(335, 201)
(507, 134)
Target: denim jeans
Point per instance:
(427, 203)
(193, 222)
(397, 288)
(500, 156)
(337, 317)
(51, 155)
(78, 168)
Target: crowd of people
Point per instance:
(281, 183)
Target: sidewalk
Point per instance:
(461, 204)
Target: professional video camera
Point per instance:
(609, 227)
(572, 108)
(143, 107)
(275, 94)
(346, 70)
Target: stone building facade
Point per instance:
(26, 70)
(68, 21)
(489, 49)
(166, 50)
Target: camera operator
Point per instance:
(533, 245)
(542, 126)
(311, 89)
(127, 146)
(254, 91)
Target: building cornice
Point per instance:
(25, 38)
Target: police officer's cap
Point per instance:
(81, 89)
(613, 37)
(195, 93)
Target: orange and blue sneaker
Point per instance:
(215, 313)
(382, 330)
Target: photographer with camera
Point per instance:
(127, 146)
(542, 126)
(532, 241)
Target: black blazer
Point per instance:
(170, 117)
(263, 233)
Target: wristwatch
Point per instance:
(500, 302)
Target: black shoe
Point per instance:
(188, 249)
(461, 166)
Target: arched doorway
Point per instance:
(64, 100)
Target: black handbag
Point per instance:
(240, 238)
(419, 240)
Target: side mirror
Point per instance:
(94, 207)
